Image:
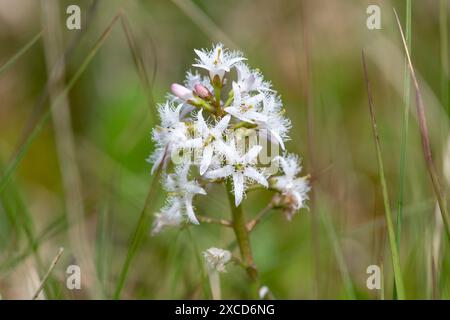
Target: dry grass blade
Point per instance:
(65, 141)
(13, 59)
(137, 59)
(204, 22)
(50, 269)
(425, 137)
(387, 209)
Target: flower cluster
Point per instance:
(204, 124)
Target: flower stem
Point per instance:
(242, 236)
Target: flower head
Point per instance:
(217, 258)
(196, 122)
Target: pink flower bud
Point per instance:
(181, 92)
(202, 91)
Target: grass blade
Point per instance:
(387, 209)
(137, 59)
(19, 53)
(443, 31)
(138, 235)
(50, 269)
(425, 137)
(205, 23)
(405, 130)
(405, 127)
(339, 254)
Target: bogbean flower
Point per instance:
(240, 167)
(246, 107)
(204, 117)
(275, 126)
(212, 138)
(170, 216)
(250, 80)
(216, 259)
(217, 61)
(173, 135)
(182, 191)
(294, 190)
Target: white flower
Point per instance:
(217, 258)
(240, 167)
(182, 191)
(211, 136)
(263, 292)
(194, 78)
(218, 61)
(245, 107)
(171, 136)
(275, 126)
(170, 216)
(250, 80)
(293, 188)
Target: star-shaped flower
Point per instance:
(240, 168)
(211, 138)
(182, 191)
(171, 136)
(275, 126)
(245, 107)
(218, 61)
(293, 188)
(250, 80)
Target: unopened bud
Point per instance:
(181, 92)
(202, 91)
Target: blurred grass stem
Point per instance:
(50, 269)
(387, 209)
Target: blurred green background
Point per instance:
(83, 181)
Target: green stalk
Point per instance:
(339, 254)
(387, 209)
(405, 130)
(242, 236)
(443, 30)
(138, 235)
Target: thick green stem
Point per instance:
(242, 236)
